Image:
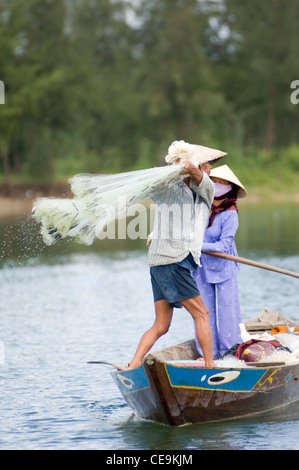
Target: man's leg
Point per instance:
(161, 325)
(200, 314)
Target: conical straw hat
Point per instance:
(197, 154)
(225, 173)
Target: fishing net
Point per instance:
(101, 199)
(98, 201)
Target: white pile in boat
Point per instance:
(290, 341)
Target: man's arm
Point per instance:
(200, 182)
(192, 170)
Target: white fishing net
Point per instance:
(101, 199)
(98, 201)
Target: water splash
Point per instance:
(21, 243)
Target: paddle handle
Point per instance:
(250, 262)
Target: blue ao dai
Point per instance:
(217, 281)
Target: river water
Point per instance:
(65, 305)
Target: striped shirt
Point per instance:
(181, 218)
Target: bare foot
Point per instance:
(211, 364)
(133, 365)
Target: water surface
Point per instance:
(63, 306)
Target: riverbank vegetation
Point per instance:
(107, 85)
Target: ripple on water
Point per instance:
(61, 309)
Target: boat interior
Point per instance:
(268, 325)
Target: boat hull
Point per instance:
(177, 394)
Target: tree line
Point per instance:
(107, 85)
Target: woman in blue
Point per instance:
(217, 278)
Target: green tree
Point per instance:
(175, 72)
(259, 60)
(109, 107)
(88, 90)
(36, 80)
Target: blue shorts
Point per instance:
(173, 283)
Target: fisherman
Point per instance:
(182, 213)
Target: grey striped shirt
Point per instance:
(181, 217)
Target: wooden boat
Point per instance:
(174, 388)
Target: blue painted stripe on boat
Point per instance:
(131, 381)
(197, 378)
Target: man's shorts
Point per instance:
(173, 283)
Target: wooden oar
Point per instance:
(112, 364)
(251, 263)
